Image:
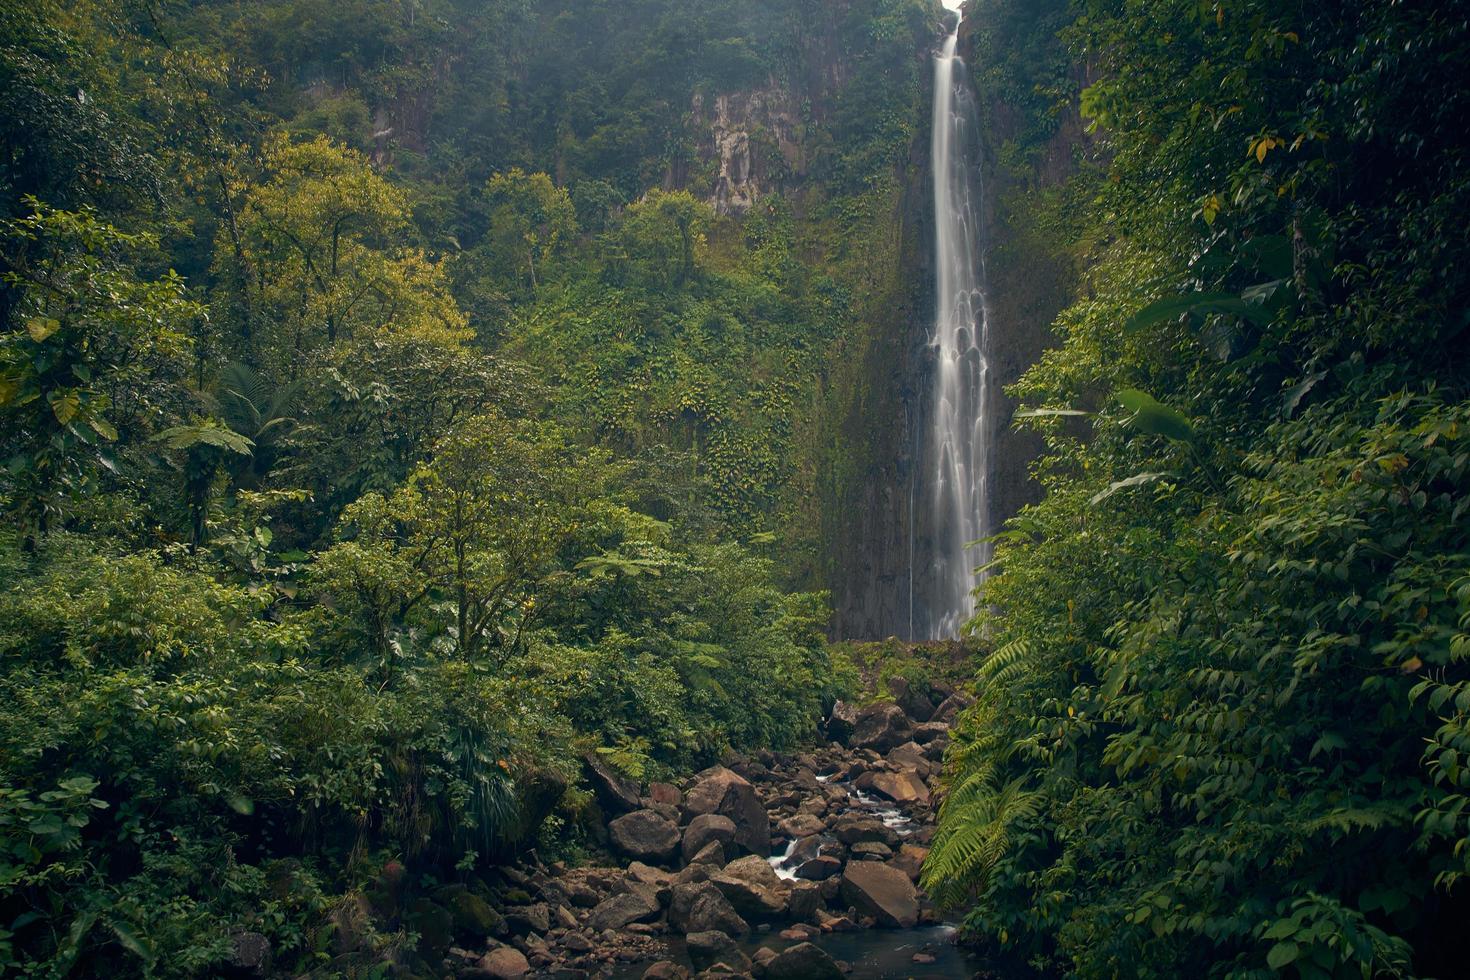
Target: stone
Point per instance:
(565, 917)
(856, 828)
(871, 850)
(250, 954)
(804, 961)
(700, 907)
(881, 891)
(708, 948)
(881, 727)
(910, 756)
(665, 793)
(803, 900)
(645, 834)
(752, 887)
(647, 875)
(834, 923)
(929, 731)
(504, 963)
(614, 793)
(819, 868)
(620, 911)
(526, 919)
(764, 955)
(665, 970)
(705, 828)
(908, 697)
(801, 825)
(900, 787)
(582, 895)
(910, 860)
(472, 916)
(841, 721)
(710, 855)
(923, 959)
(720, 790)
(951, 706)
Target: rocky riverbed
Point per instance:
(747, 869)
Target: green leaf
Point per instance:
(1171, 307)
(1137, 480)
(1282, 955)
(1046, 413)
(131, 941)
(40, 329)
(1154, 418)
(189, 436)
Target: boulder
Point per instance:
(900, 787)
(841, 721)
(708, 948)
(525, 919)
(950, 707)
(720, 791)
(634, 905)
(250, 955)
(665, 793)
(881, 891)
(853, 828)
(614, 793)
(910, 860)
(752, 887)
(801, 825)
(473, 918)
(700, 907)
(645, 834)
(711, 855)
(705, 829)
(804, 899)
(929, 731)
(881, 727)
(665, 970)
(908, 697)
(804, 961)
(910, 757)
(819, 868)
(871, 850)
(504, 963)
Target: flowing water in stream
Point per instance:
(958, 451)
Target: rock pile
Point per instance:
(848, 823)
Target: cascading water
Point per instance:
(959, 435)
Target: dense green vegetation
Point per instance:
(1224, 726)
(388, 423)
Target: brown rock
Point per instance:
(705, 828)
(614, 793)
(950, 707)
(900, 787)
(700, 907)
(708, 948)
(645, 834)
(752, 888)
(665, 793)
(841, 721)
(634, 905)
(504, 963)
(883, 892)
(804, 961)
(711, 855)
(665, 970)
(719, 790)
(910, 860)
(881, 727)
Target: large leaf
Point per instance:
(189, 436)
(1155, 418)
(1137, 480)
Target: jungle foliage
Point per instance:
(388, 424)
(1223, 731)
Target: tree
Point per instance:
(531, 220)
(324, 234)
(90, 349)
(482, 525)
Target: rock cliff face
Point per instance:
(754, 141)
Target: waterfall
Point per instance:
(957, 457)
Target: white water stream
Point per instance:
(958, 453)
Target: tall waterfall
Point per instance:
(960, 434)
